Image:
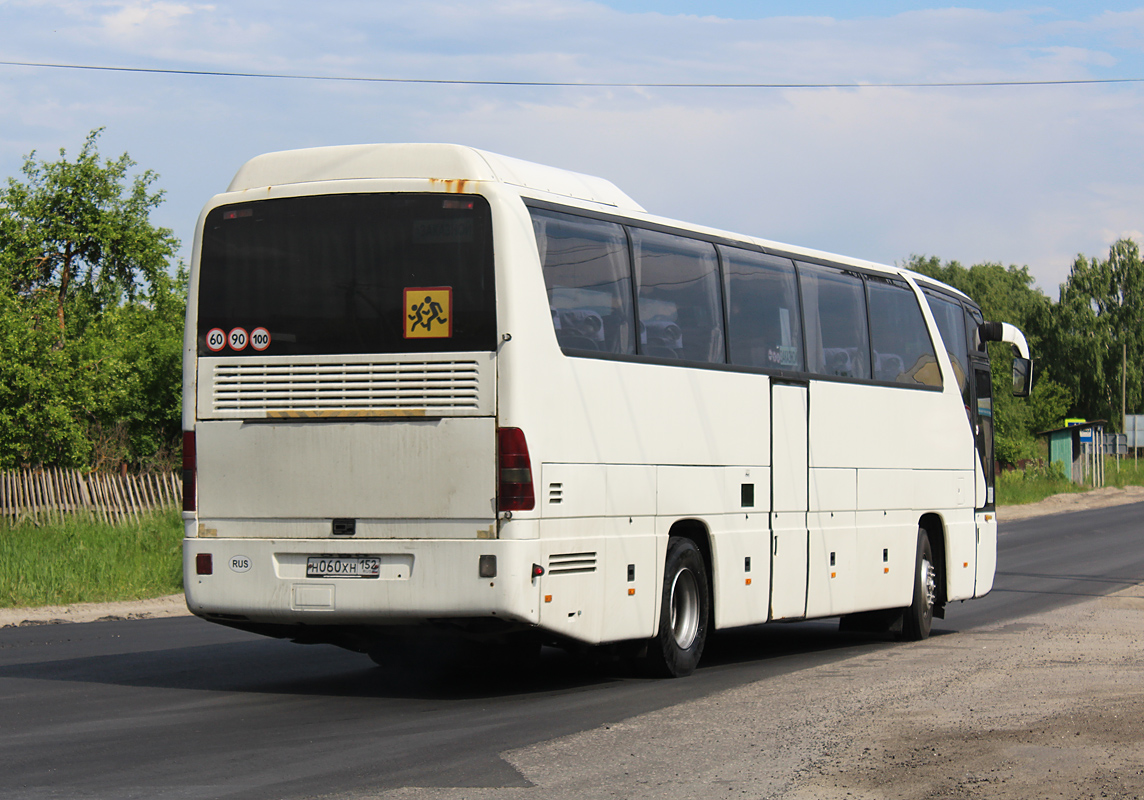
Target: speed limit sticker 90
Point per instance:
(260, 338)
(216, 339)
(237, 338)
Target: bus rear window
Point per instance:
(350, 273)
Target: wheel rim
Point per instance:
(929, 585)
(684, 608)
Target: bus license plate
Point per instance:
(343, 567)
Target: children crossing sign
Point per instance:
(428, 312)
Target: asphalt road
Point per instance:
(179, 708)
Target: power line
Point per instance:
(570, 84)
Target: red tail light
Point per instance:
(514, 470)
(189, 471)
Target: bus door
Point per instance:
(790, 539)
(983, 429)
(986, 539)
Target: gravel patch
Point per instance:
(1051, 706)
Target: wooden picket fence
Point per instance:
(44, 495)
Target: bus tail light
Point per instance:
(514, 471)
(189, 471)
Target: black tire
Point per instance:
(684, 612)
(918, 617)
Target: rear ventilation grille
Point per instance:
(555, 493)
(393, 388)
(568, 563)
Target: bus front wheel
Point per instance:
(919, 616)
(684, 611)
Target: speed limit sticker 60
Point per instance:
(216, 339)
(237, 338)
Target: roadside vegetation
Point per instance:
(80, 561)
(1032, 484)
(91, 313)
(1040, 480)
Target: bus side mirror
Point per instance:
(1022, 376)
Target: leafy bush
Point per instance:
(91, 317)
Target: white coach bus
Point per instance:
(429, 389)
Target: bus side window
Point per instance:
(903, 351)
(950, 321)
(834, 308)
(680, 309)
(763, 321)
(588, 278)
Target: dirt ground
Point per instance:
(1061, 503)
(170, 606)
(1051, 706)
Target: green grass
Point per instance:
(1016, 488)
(80, 561)
(1038, 482)
(1127, 473)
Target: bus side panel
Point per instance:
(601, 578)
(741, 550)
(631, 580)
(912, 453)
(834, 581)
(594, 411)
(882, 427)
(887, 547)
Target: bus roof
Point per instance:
(456, 164)
(446, 162)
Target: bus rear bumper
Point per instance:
(265, 581)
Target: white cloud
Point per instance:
(140, 20)
(1030, 175)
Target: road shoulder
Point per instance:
(174, 605)
(1050, 705)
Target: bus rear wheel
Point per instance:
(919, 616)
(684, 612)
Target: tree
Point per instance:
(79, 227)
(90, 317)
(1100, 317)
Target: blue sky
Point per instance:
(1027, 175)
